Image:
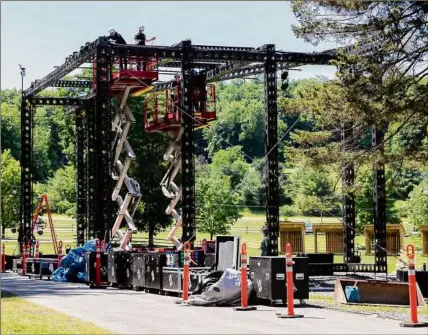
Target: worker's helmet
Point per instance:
(111, 30)
(141, 28)
(178, 74)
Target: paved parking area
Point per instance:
(129, 312)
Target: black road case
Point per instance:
(268, 277)
(153, 271)
(41, 267)
(138, 280)
(120, 268)
(90, 266)
(172, 279)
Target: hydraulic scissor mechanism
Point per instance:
(121, 124)
(169, 187)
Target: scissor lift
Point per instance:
(124, 83)
(165, 116)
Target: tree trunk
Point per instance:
(3, 231)
(211, 236)
(151, 235)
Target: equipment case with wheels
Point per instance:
(153, 271)
(268, 277)
(172, 278)
(90, 266)
(41, 267)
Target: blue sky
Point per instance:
(41, 34)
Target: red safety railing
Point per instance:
(151, 65)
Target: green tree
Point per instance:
(311, 192)
(10, 128)
(216, 205)
(230, 162)
(418, 204)
(364, 200)
(10, 183)
(386, 85)
(61, 191)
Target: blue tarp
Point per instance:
(72, 267)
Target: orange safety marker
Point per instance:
(97, 262)
(3, 258)
(186, 275)
(289, 285)
(186, 272)
(59, 253)
(244, 282)
(37, 252)
(413, 298)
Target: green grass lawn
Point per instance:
(20, 316)
(248, 227)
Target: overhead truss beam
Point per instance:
(72, 83)
(72, 62)
(54, 101)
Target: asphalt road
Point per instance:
(128, 312)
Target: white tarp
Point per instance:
(226, 291)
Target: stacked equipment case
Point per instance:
(268, 277)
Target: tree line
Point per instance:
(386, 88)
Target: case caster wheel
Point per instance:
(302, 302)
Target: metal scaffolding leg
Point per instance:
(348, 201)
(379, 201)
(91, 171)
(187, 146)
(169, 188)
(103, 213)
(81, 217)
(26, 171)
(271, 149)
(121, 125)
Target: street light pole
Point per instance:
(22, 78)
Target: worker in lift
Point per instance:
(198, 89)
(141, 39)
(117, 38)
(265, 242)
(175, 94)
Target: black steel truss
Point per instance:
(91, 171)
(271, 150)
(221, 62)
(72, 62)
(379, 201)
(201, 54)
(230, 72)
(26, 161)
(104, 138)
(348, 201)
(72, 83)
(57, 101)
(187, 146)
(81, 201)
